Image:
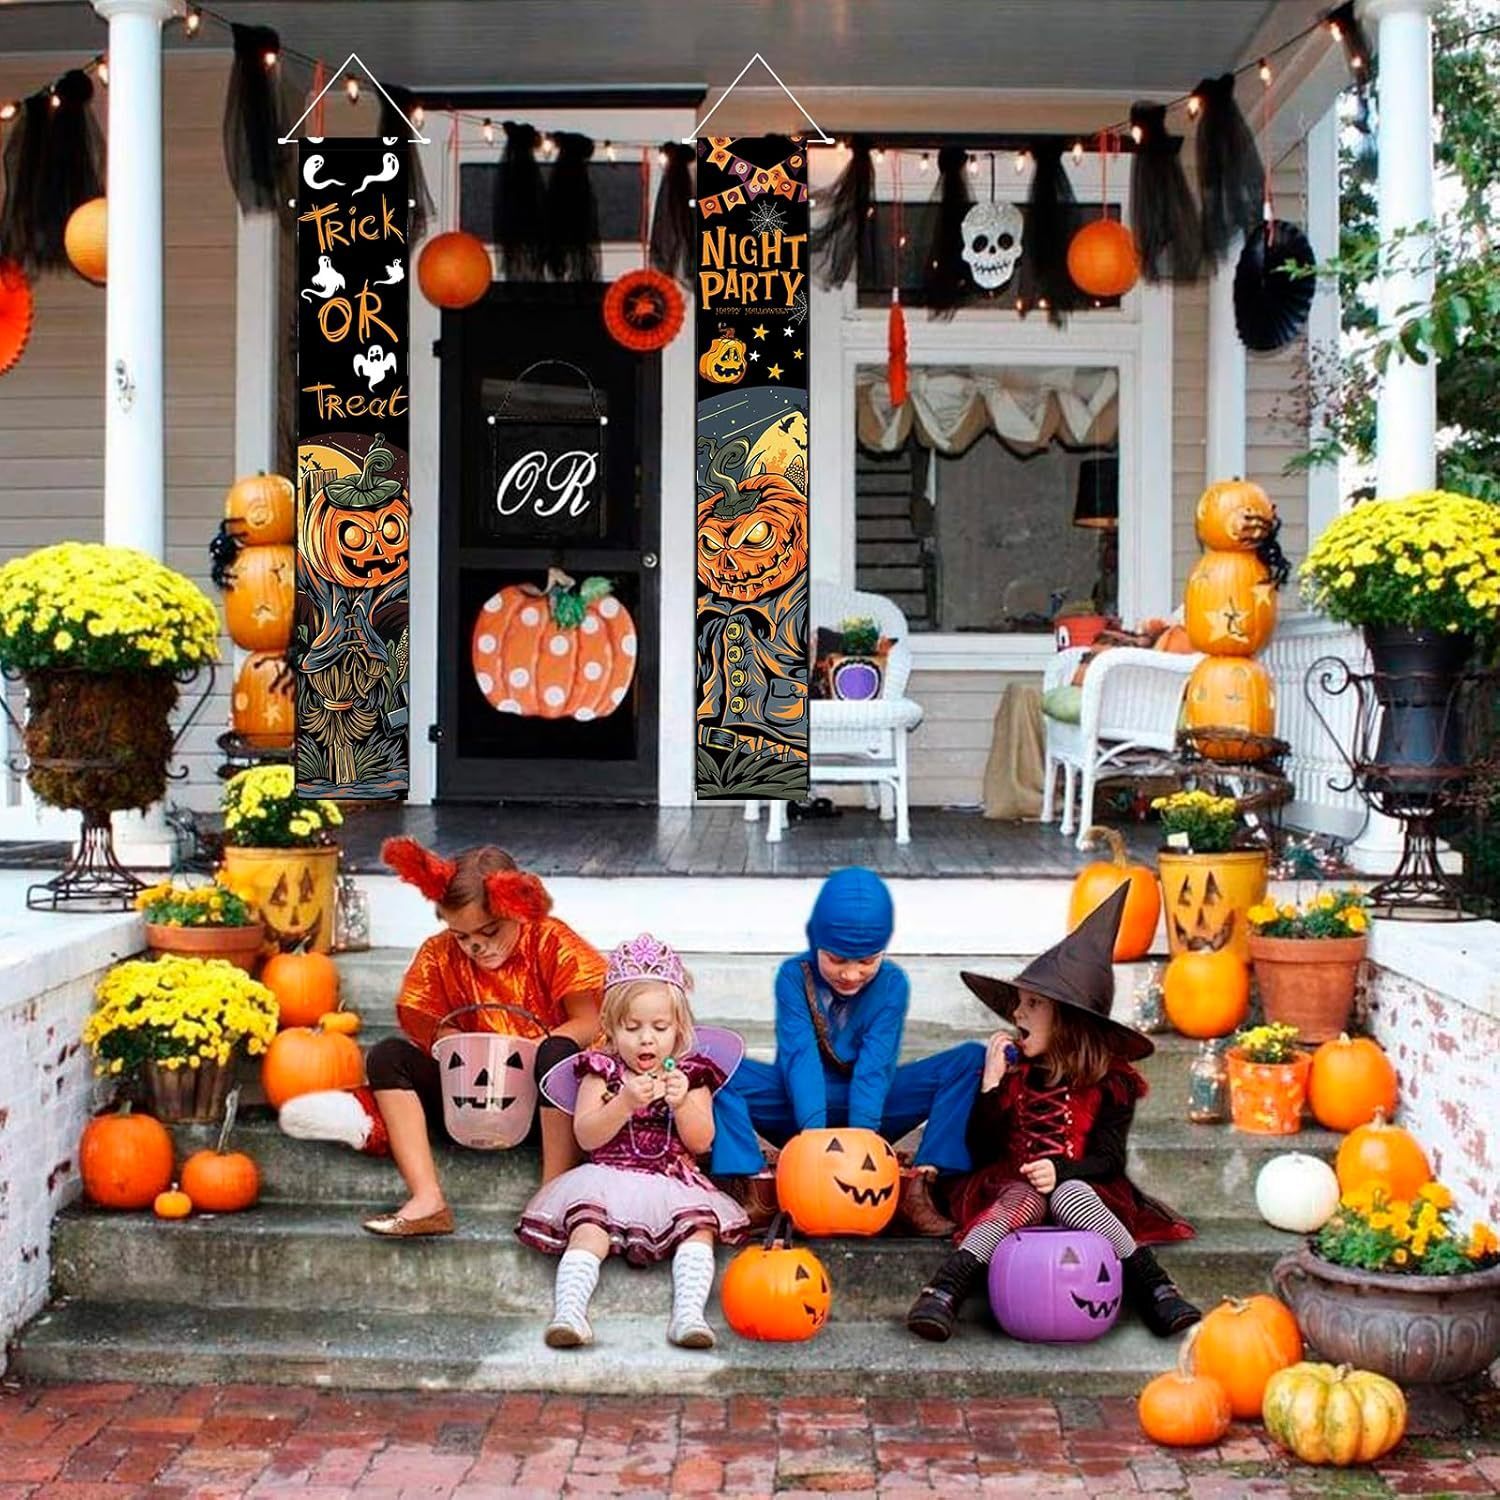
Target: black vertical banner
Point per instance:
(751, 226)
(351, 646)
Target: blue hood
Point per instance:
(853, 915)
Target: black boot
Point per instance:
(935, 1311)
(1154, 1295)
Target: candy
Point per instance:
(669, 1065)
(1012, 1053)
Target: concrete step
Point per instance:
(289, 1256)
(184, 1344)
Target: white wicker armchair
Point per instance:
(861, 743)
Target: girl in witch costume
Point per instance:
(1050, 1127)
(498, 947)
(642, 1111)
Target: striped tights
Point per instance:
(1072, 1204)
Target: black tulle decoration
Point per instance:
(392, 126)
(1052, 219)
(672, 217)
(572, 215)
(844, 240)
(520, 211)
(1231, 178)
(24, 150)
(945, 278)
(1163, 217)
(1273, 291)
(252, 119)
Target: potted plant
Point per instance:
(202, 921)
(1267, 1080)
(1395, 1286)
(279, 850)
(1307, 960)
(177, 1027)
(1207, 883)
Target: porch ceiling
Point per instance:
(1053, 46)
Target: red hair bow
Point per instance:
(429, 872)
(516, 894)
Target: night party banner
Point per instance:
(751, 226)
(351, 647)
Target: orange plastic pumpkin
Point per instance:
(306, 986)
(1095, 883)
(1206, 992)
(1382, 1153)
(261, 509)
(1242, 1343)
(838, 1181)
(1351, 1081)
(723, 362)
(345, 1022)
(172, 1204)
(125, 1159)
(1234, 516)
(1230, 604)
(222, 1181)
(264, 704)
(302, 1061)
(776, 1292)
(86, 240)
(1102, 259)
(454, 270)
(262, 595)
(1181, 1409)
(1236, 695)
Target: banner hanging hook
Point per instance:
(823, 138)
(416, 137)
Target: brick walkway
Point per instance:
(87, 1441)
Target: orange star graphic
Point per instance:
(774, 372)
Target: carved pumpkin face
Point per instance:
(1231, 693)
(293, 910)
(355, 531)
(1055, 1285)
(723, 362)
(489, 1088)
(1230, 604)
(261, 509)
(746, 556)
(1235, 516)
(1207, 896)
(838, 1181)
(777, 1293)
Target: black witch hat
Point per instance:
(1078, 972)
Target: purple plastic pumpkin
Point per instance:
(1055, 1286)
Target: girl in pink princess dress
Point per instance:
(643, 1112)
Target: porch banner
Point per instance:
(751, 218)
(351, 645)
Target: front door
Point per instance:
(547, 684)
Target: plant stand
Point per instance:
(93, 880)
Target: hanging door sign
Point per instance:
(751, 222)
(351, 646)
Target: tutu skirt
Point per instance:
(646, 1214)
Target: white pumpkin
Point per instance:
(1296, 1192)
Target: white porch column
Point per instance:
(134, 450)
(1406, 409)
(1224, 455)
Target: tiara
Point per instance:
(645, 957)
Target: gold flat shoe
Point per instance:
(393, 1226)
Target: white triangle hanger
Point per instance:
(416, 137)
(822, 137)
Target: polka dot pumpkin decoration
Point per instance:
(556, 652)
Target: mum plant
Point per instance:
(1329, 914)
(216, 905)
(1371, 1231)
(262, 810)
(1267, 1044)
(1208, 823)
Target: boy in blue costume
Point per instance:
(840, 1009)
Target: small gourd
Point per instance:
(345, 1022)
(172, 1204)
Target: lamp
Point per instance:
(1098, 500)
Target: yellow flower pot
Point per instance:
(1205, 898)
(293, 889)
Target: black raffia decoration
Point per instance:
(844, 240)
(1052, 219)
(672, 216)
(572, 215)
(392, 126)
(252, 119)
(1273, 286)
(520, 208)
(945, 278)
(1163, 218)
(1231, 178)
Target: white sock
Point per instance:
(330, 1115)
(577, 1276)
(692, 1279)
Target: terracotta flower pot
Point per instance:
(1205, 898)
(293, 889)
(1420, 1330)
(1308, 983)
(238, 945)
(1267, 1098)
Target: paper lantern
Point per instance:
(1102, 259)
(454, 270)
(16, 312)
(1055, 1286)
(86, 240)
(643, 310)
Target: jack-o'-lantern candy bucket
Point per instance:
(489, 1081)
(292, 888)
(1055, 1286)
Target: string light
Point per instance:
(269, 59)
(549, 146)
(489, 132)
(925, 164)
(1265, 71)
(661, 158)
(1077, 153)
(879, 153)
(192, 21)
(972, 163)
(102, 70)
(610, 152)
(418, 114)
(1335, 30)
(9, 110)
(351, 88)
(1020, 162)
(55, 99)
(1137, 134)
(1194, 104)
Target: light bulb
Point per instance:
(9, 110)
(1194, 105)
(418, 114)
(1265, 71)
(926, 163)
(103, 71)
(489, 132)
(1077, 153)
(269, 59)
(1137, 134)
(192, 21)
(351, 88)
(1020, 162)
(610, 152)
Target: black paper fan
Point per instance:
(1272, 296)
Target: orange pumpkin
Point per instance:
(1230, 604)
(86, 240)
(1102, 259)
(306, 986)
(1206, 992)
(723, 362)
(1234, 516)
(838, 1181)
(1181, 1409)
(1351, 1081)
(172, 1204)
(302, 1061)
(1095, 883)
(776, 1291)
(262, 595)
(222, 1181)
(1382, 1153)
(1235, 695)
(125, 1159)
(356, 530)
(1242, 1343)
(454, 270)
(1173, 638)
(554, 652)
(261, 509)
(264, 705)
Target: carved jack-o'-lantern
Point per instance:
(264, 707)
(752, 533)
(1055, 1286)
(1232, 694)
(261, 597)
(1234, 516)
(489, 1088)
(723, 362)
(356, 530)
(1230, 604)
(261, 508)
(838, 1181)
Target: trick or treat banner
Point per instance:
(751, 226)
(351, 644)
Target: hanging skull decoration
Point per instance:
(992, 243)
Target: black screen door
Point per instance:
(547, 689)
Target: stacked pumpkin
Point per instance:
(315, 1048)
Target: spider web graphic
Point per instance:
(766, 218)
(797, 313)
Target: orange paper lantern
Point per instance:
(1102, 259)
(86, 240)
(454, 270)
